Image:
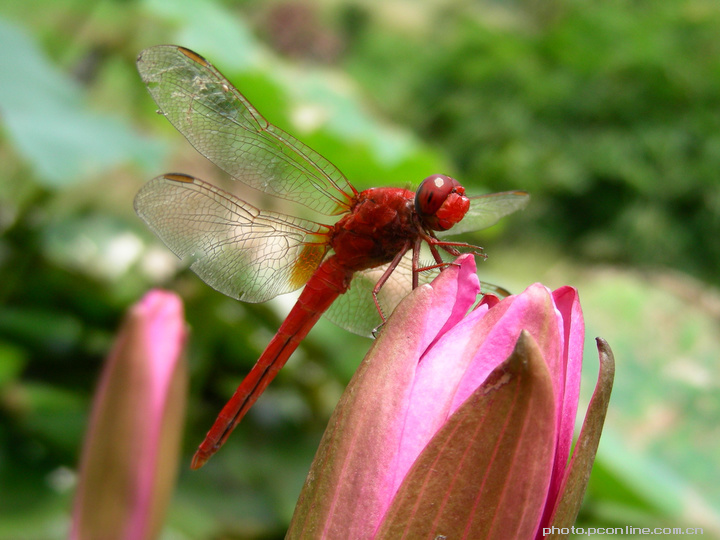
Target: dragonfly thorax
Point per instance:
(379, 226)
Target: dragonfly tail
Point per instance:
(260, 376)
(327, 283)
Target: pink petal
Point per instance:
(438, 376)
(485, 473)
(533, 310)
(443, 364)
(567, 302)
(456, 290)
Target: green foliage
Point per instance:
(605, 111)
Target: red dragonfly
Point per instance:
(363, 264)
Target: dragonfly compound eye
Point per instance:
(441, 202)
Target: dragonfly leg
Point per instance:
(416, 263)
(452, 248)
(386, 275)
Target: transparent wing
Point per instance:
(355, 310)
(486, 210)
(223, 126)
(235, 248)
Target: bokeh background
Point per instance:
(608, 112)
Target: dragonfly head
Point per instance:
(440, 202)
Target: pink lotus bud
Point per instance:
(132, 446)
(459, 424)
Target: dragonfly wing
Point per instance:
(486, 210)
(235, 248)
(223, 126)
(496, 290)
(355, 310)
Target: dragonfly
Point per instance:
(355, 269)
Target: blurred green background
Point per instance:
(608, 112)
